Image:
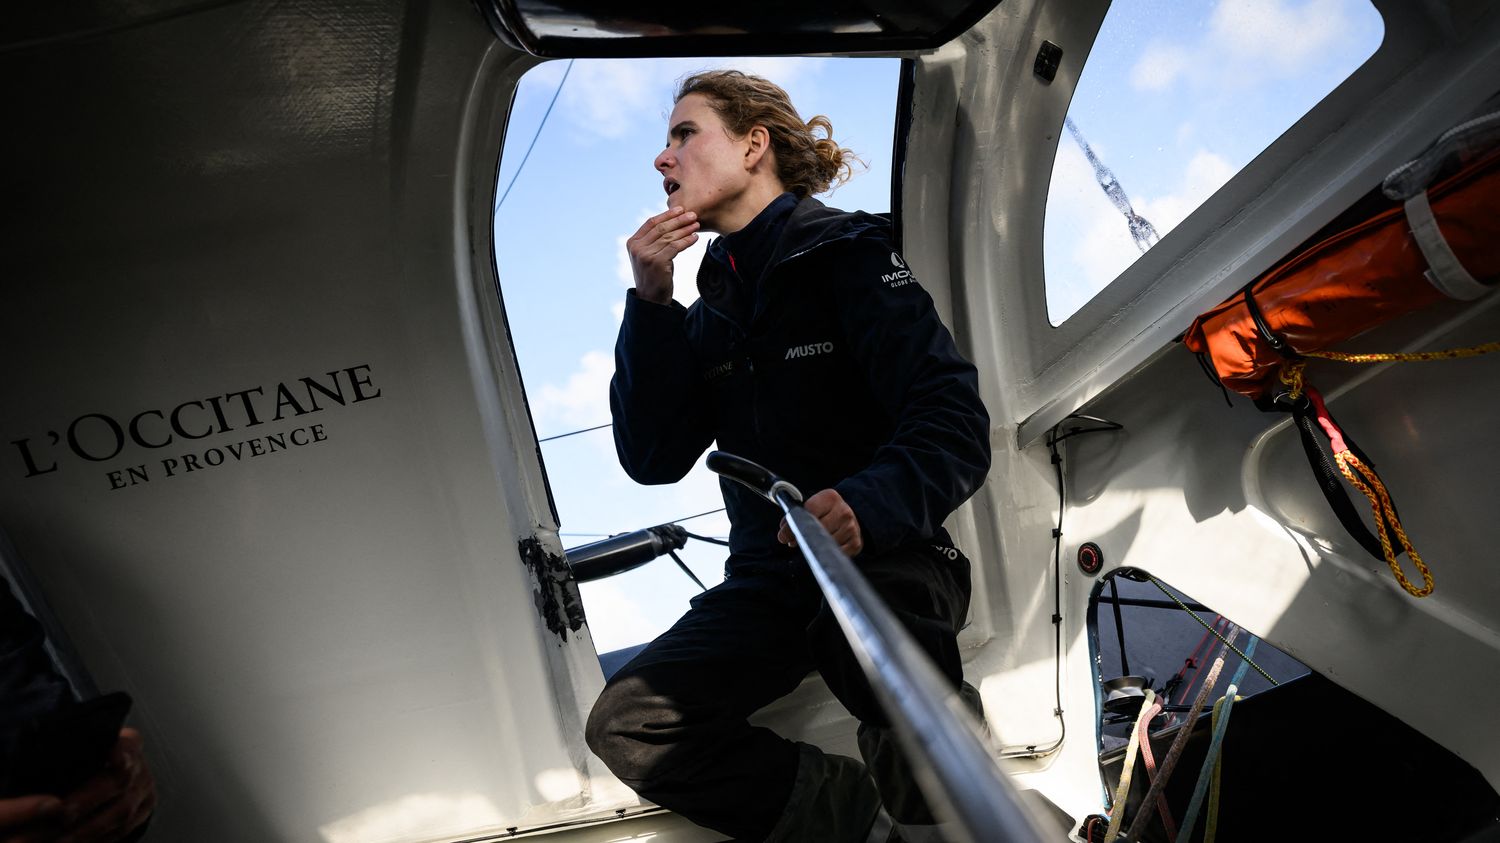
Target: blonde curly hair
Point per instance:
(806, 164)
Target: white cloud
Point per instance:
(1247, 42)
(1159, 67)
(610, 97)
(584, 400)
(1205, 173)
(1277, 35)
(615, 620)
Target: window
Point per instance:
(1174, 101)
(560, 230)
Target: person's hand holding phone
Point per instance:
(106, 808)
(30, 819)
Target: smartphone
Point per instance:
(58, 751)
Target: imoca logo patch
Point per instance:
(901, 276)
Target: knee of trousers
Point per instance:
(616, 726)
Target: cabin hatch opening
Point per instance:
(575, 181)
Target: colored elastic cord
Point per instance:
(1150, 758)
(1369, 483)
(1117, 806)
(1211, 823)
(1211, 760)
(1158, 787)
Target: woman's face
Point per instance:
(704, 169)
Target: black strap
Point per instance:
(1273, 339)
(1331, 482)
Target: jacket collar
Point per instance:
(775, 238)
(748, 252)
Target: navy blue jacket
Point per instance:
(29, 685)
(814, 352)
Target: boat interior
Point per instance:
(271, 468)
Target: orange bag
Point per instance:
(1445, 242)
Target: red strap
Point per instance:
(1325, 421)
(1150, 759)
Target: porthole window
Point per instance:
(1176, 98)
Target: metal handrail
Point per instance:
(940, 737)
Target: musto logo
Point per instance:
(809, 350)
(901, 277)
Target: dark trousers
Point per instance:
(672, 723)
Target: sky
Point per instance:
(1175, 99)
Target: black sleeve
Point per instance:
(29, 684)
(660, 418)
(939, 453)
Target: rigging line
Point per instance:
(686, 570)
(709, 539)
(1215, 632)
(691, 517)
(576, 432)
(548, 113)
(1114, 587)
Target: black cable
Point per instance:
(686, 570)
(1053, 438)
(1102, 425)
(691, 517)
(709, 539)
(522, 165)
(1114, 587)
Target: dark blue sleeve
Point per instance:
(29, 684)
(660, 418)
(939, 453)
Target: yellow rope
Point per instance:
(1293, 377)
(1379, 498)
(1117, 809)
(1211, 821)
(1291, 373)
(1415, 357)
(1380, 504)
